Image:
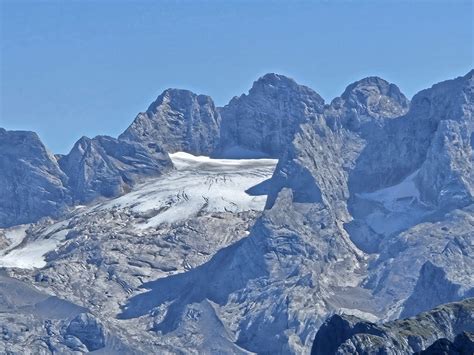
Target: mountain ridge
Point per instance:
(371, 199)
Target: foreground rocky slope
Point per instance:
(345, 334)
(360, 219)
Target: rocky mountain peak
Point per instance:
(371, 99)
(277, 85)
(178, 120)
(368, 215)
(32, 184)
(264, 121)
(105, 166)
(180, 99)
(447, 100)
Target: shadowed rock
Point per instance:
(106, 167)
(351, 335)
(31, 183)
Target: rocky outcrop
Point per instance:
(366, 101)
(432, 288)
(351, 335)
(107, 167)
(178, 120)
(435, 137)
(264, 121)
(88, 330)
(463, 344)
(351, 180)
(31, 183)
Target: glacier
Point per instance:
(365, 209)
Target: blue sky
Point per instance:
(73, 68)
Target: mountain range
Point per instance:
(275, 224)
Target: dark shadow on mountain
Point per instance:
(260, 189)
(300, 181)
(229, 270)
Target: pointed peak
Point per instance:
(276, 84)
(272, 80)
(22, 136)
(373, 84)
(177, 92)
(374, 96)
(179, 97)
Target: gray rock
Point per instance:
(432, 288)
(203, 284)
(463, 344)
(178, 120)
(31, 183)
(367, 101)
(107, 167)
(435, 137)
(264, 121)
(88, 330)
(352, 335)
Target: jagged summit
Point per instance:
(273, 82)
(264, 121)
(31, 183)
(369, 212)
(366, 101)
(178, 120)
(375, 82)
(107, 167)
(178, 97)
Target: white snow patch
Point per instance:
(358, 313)
(199, 184)
(31, 255)
(401, 207)
(15, 235)
(391, 196)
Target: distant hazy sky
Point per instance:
(73, 68)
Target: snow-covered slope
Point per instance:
(368, 213)
(198, 185)
(394, 208)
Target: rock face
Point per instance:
(435, 137)
(361, 220)
(433, 287)
(88, 330)
(178, 120)
(31, 183)
(368, 100)
(463, 344)
(107, 167)
(351, 335)
(446, 177)
(264, 121)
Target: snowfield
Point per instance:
(198, 185)
(399, 207)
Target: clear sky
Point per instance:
(73, 68)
